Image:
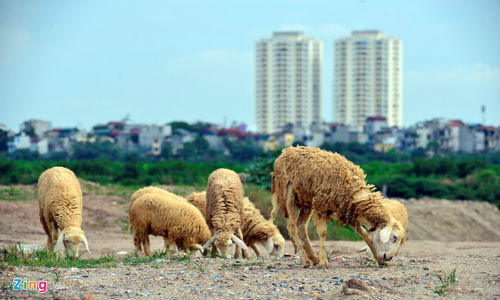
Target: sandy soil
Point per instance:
(442, 236)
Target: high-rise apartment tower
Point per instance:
(368, 78)
(287, 81)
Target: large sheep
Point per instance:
(256, 230)
(225, 211)
(60, 203)
(169, 216)
(329, 185)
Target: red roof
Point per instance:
(376, 118)
(455, 123)
(115, 123)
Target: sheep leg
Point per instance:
(322, 230)
(256, 250)
(366, 237)
(137, 241)
(292, 225)
(53, 236)
(302, 221)
(214, 250)
(145, 244)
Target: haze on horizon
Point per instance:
(83, 63)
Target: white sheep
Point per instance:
(225, 212)
(166, 215)
(329, 185)
(60, 203)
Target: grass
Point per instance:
(447, 281)
(15, 256)
(17, 193)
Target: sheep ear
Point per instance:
(239, 242)
(385, 233)
(85, 243)
(269, 244)
(60, 241)
(208, 243)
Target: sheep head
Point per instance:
(278, 245)
(71, 237)
(223, 241)
(387, 239)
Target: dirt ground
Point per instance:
(442, 236)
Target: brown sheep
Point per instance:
(329, 185)
(60, 203)
(169, 244)
(225, 211)
(259, 231)
(173, 218)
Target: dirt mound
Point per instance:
(444, 220)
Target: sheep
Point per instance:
(60, 204)
(259, 231)
(224, 213)
(256, 230)
(169, 244)
(329, 185)
(170, 216)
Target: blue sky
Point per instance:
(78, 63)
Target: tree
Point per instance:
(3, 141)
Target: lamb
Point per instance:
(169, 216)
(60, 204)
(256, 230)
(329, 185)
(224, 213)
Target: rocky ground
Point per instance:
(443, 236)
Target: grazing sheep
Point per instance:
(259, 231)
(169, 244)
(329, 185)
(256, 230)
(60, 203)
(225, 212)
(169, 216)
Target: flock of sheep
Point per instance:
(309, 180)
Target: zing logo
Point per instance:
(24, 284)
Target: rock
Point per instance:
(121, 253)
(355, 287)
